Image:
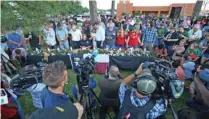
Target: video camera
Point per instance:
(29, 76)
(83, 68)
(168, 84)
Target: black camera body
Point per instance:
(85, 68)
(4, 39)
(168, 84)
(25, 79)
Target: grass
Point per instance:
(28, 108)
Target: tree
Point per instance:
(93, 10)
(31, 15)
(205, 3)
(113, 8)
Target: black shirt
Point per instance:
(174, 35)
(33, 41)
(85, 43)
(109, 92)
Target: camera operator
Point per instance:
(137, 102)
(55, 76)
(200, 91)
(109, 91)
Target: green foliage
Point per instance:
(137, 13)
(31, 15)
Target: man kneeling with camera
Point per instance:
(136, 103)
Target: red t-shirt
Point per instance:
(133, 38)
(121, 40)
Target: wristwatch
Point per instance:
(135, 75)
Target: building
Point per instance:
(173, 10)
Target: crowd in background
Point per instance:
(184, 41)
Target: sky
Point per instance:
(106, 4)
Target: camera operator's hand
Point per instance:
(139, 70)
(80, 109)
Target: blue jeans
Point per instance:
(65, 45)
(120, 46)
(158, 42)
(112, 46)
(35, 91)
(170, 50)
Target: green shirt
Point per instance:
(197, 52)
(161, 32)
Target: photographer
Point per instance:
(136, 102)
(200, 91)
(55, 76)
(109, 91)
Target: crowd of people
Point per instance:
(183, 41)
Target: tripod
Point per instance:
(86, 100)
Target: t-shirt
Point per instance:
(133, 39)
(172, 36)
(193, 52)
(76, 35)
(121, 39)
(109, 91)
(85, 43)
(111, 35)
(34, 42)
(14, 37)
(197, 34)
(62, 33)
(50, 37)
(161, 32)
(50, 99)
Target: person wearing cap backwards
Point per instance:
(136, 103)
(200, 93)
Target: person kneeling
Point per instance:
(109, 86)
(136, 103)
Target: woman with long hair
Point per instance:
(121, 37)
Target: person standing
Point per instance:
(49, 35)
(15, 40)
(149, 36)
(62, 37)
(100, 35)
(110, 36)
(133, 39)
(76, 37)
(121, 37)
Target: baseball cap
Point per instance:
(146, 83)
(65, 111)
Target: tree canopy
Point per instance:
(30, 15)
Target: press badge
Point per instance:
(4, 98)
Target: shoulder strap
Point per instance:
(150, 104)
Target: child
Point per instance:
(193, 52)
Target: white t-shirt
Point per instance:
(76, 35)
(197, 34)
(50, 37)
